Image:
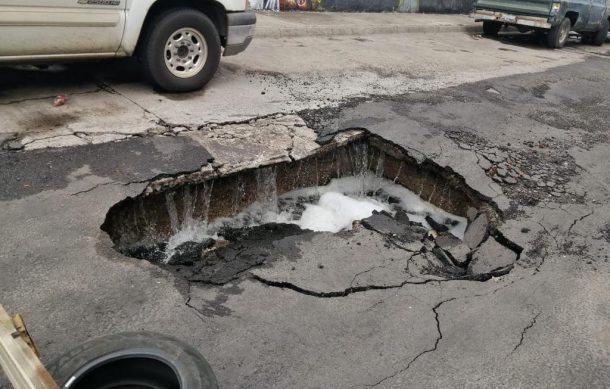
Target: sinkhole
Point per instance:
(213, 229)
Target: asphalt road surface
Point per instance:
(470, 105)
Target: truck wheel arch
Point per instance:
(212, 9)
(573, 16)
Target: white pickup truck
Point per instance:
(179, 42)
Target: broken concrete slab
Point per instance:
(54, 142)
(447, 241)
(491, 258)
(335, 263)
(459, 254)
(385, 224)
(477, 231)
(442, 256)
(257, 142)
(472, 213)
(101, 138)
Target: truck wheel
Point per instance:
(181, 50)
(133, 360)
(600, 36)
(491, 28)
(558, 35)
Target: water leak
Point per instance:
(331, 190)
(332, 208)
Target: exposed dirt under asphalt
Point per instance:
(536, 145)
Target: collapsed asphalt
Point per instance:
(543, 324)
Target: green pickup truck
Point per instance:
(555, 18)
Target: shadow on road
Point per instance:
(114, 72)
(533, 40)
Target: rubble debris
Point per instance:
(442, 256)
(436, 226)
(385, 224)
(459, 254)
(402, 217)
(151, 252)
(249, 247)
(189, 252)
(447, 241)
(491, 258)
(472, 213)
(477, 231)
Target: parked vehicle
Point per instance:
(179, 42)
(555, 18)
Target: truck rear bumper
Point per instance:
(502, 17)
(240, 32)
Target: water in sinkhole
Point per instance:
(333, 207)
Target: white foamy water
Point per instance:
(335, 212)
(331, 208)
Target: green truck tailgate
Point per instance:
(518, 7)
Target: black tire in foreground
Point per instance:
(181, 50)
(491, 28)
(558, 35)
(133, 360)
(601, 35)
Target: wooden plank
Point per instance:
(19, 362)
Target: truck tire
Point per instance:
(558, 35)
(600, 36)
(491, 28)
(181, 50)
(134, 360)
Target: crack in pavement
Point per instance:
(524, 331)
(188, 304)
(340, 293)
(107, 183)
(438, 328)
(50, 97)
(579, 220)
(436, 342)
(554, 237)
(364, 272)
(109, 89)
(94, 188)
(22, 145)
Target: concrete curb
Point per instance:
(326, 30)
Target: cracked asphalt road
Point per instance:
(545, 324)
(109, 101)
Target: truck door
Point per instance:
(60, 27)
(596, 13)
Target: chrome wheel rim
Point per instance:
(186, 53)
